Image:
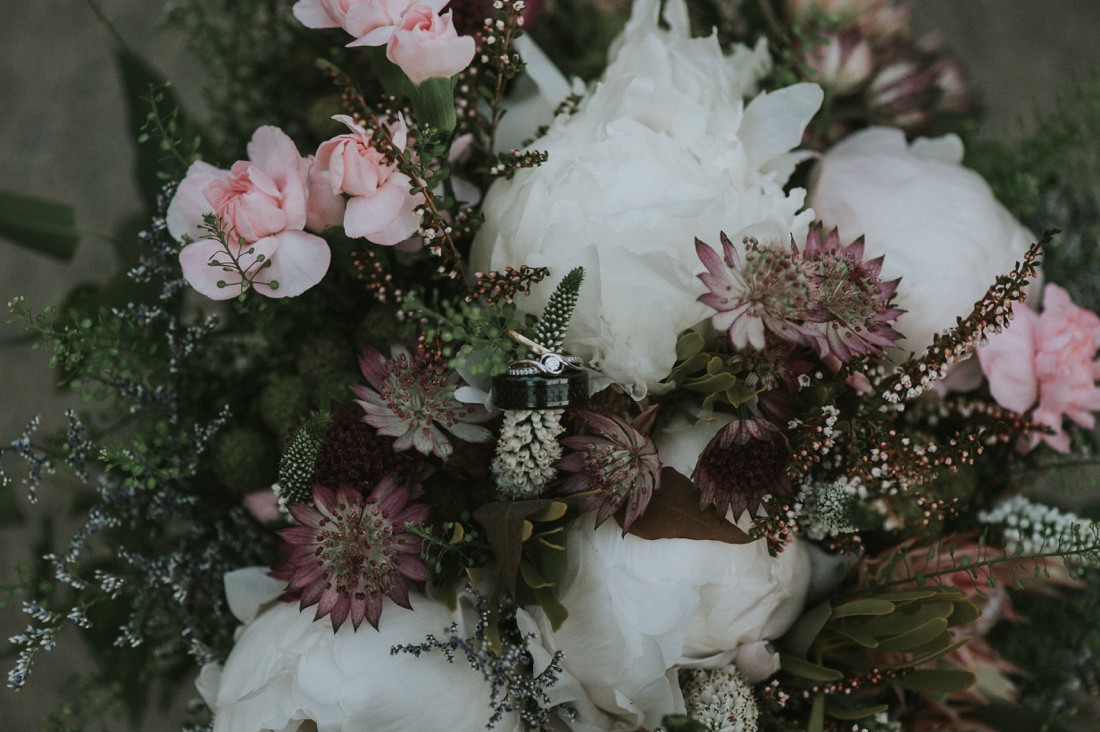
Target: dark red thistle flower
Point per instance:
(349, 551)
(617, 461)
(354, 453)
(744, 462)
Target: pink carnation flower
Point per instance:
(427, 46)
(381, 207)
(263, 204)
(1046, 363)
(371, 22)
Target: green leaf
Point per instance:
(816, 722)
(849, 713)
(915, 638)
(802, 634)
(931, 656)
(508, 524)
(43, 226)
(965, 612)
(854, 634)
(863, 607)
(937, 681)
(807, 669)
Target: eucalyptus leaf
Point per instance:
(807, 669)
(850, 713)
(866, 606)
(937, 681)
(802, 634)
(914, 638)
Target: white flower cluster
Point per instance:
(526, 452)
(826, 508)
(1035, 528)
(720, 699)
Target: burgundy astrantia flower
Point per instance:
(744, 462)
(767, 292)
(349, 551)
(617, 461)
(854, 298)
(413, 400)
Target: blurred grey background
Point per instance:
(63, 137)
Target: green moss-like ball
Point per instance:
(283, 402)
(244, 459)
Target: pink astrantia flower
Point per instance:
(350, 551)
(380, 207)
(427, 46)
(1046, 363)
(263, 208)
(618, 461)
(765, 292)
(371, 22)
(413, 400)
(853, 302)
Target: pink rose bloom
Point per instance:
(1047, 363)
(263, 203)
(427, 46)
(371, 22)
(381, 207)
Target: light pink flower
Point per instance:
(381, 207)
(263, 505)
(263, 206)
(1047, 363)
(371, 22)
(427, 46)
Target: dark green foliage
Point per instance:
(1065, 654)
(1049, 180)
(46, 227)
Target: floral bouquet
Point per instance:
(569, 366)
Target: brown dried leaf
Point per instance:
(673, 513)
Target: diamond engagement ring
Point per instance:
(548, 364)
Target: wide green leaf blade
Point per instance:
(43, 226)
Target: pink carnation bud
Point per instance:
(427, 46)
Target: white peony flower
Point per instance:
(639, 609)
(938, 224)
(663, 150)
(287, 670)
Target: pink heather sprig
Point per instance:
(990, 314)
